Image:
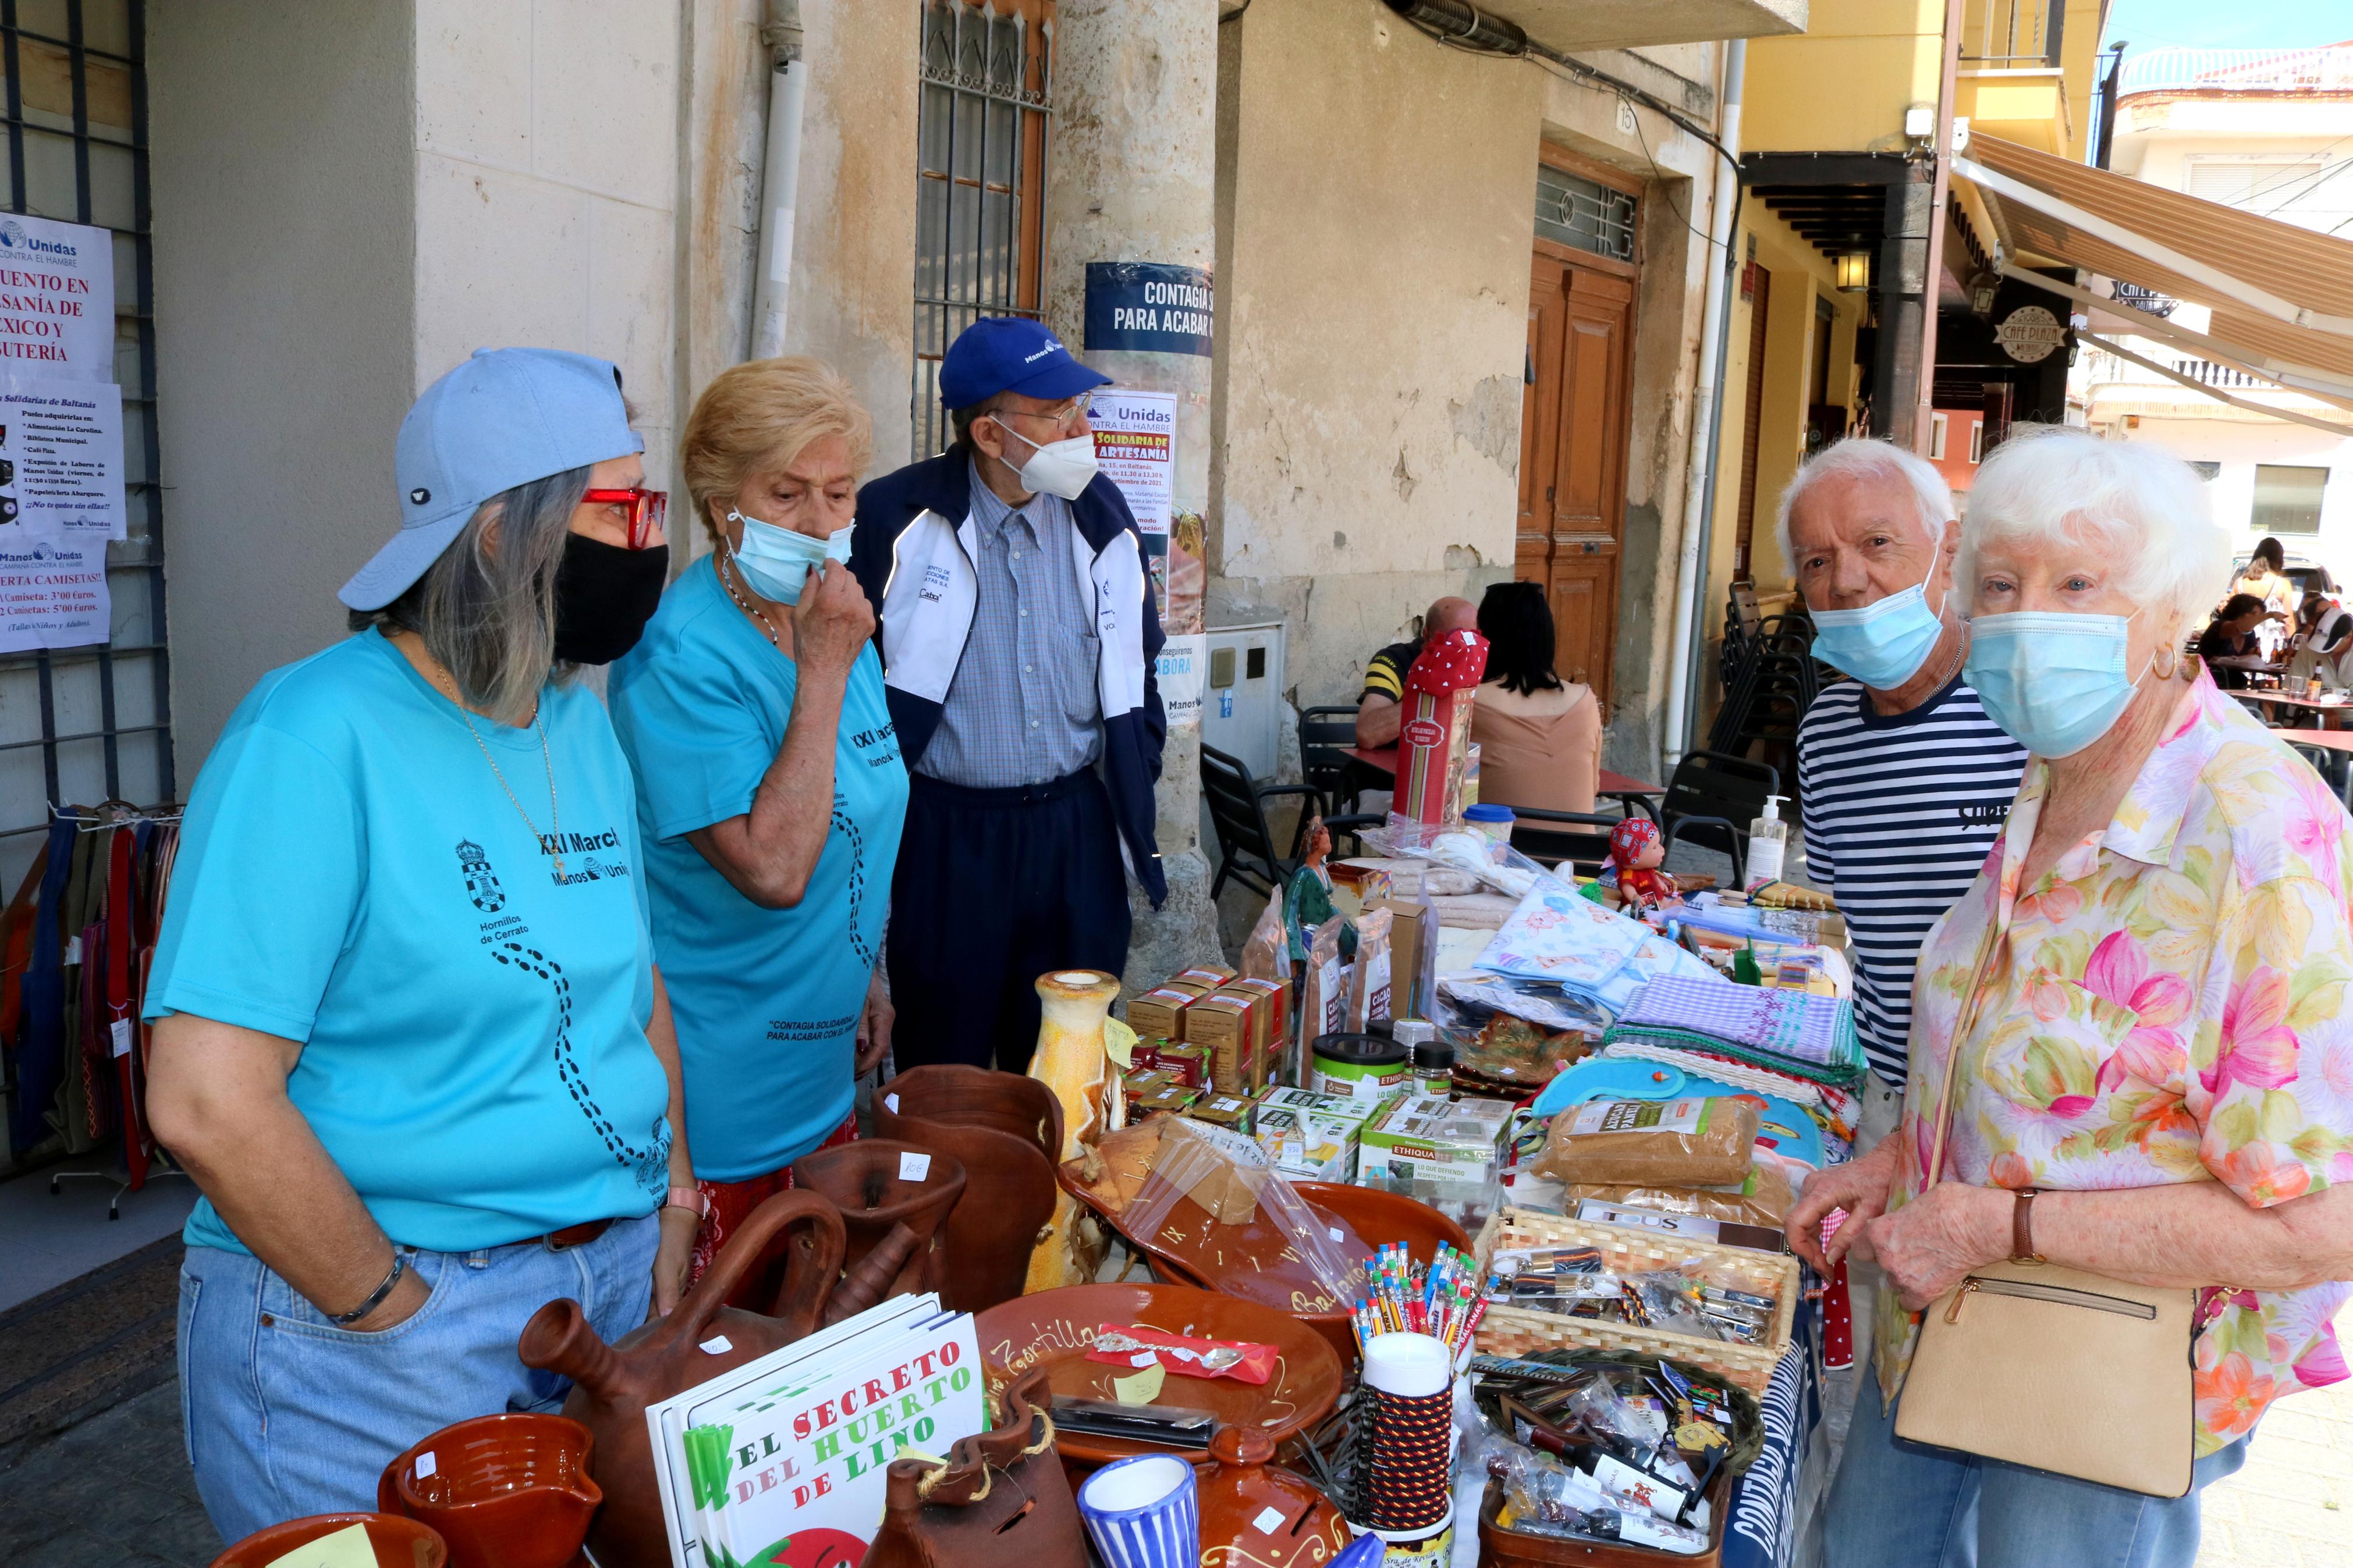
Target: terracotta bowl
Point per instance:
(1246, 1261)
(1054, 1329)
(505, 1492)
(398, 1542)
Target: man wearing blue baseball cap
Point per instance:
(1017, 630)
(408, 1035)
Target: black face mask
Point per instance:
(604, 595)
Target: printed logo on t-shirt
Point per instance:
(1987, 814)
(878, 747)
(582, 861)
(481, 882)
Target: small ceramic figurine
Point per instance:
(1636, 852)
(1307, 904)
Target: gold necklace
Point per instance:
(555, 810)
(728, 568)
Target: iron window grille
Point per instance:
(986, 74)
(1584, 215)
(87, 724)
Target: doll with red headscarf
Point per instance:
(1636, 852)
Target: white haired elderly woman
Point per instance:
(2129, 1053)
(410, 1041)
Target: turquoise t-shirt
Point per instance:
(767, 1001)
(352, 876)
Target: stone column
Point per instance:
(1131, 173)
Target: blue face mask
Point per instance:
(1882, 645)
(2055, 681)
(775, 560)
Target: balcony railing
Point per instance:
(2008, 34)
(2325, 70)
(2103, 367)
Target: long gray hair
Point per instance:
(486, 608)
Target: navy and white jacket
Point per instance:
(913, 554)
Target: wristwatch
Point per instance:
(2022, 1228)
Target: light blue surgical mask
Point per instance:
(2055, 681)
(1882, 645)
(775, 560)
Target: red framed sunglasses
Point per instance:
(647, 509)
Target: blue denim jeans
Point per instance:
(287, 1414)
(1895, 1504)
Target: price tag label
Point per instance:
(426, 1465)
(915, 1167)
(717, 1344)
(1268, 1521)
(892, 1101)
(122, 1029)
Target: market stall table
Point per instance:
(1631, 793)
(2280, 699)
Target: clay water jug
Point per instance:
(613, 1383)
(1072, 1061)
(1258, 1514)
(877, 1185)
(510, 1490)
(1007, 1131)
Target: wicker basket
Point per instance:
(1516, 1330)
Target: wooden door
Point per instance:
(1573, 451)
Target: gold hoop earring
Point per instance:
(2169, 670)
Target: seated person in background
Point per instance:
(1379, 707)
(1539, 738)
(2231, 635)
(2324, 633)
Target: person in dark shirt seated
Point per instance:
(2231, 635)
(1379, 707)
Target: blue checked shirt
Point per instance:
(1024, 708)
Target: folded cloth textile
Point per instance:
(1787, 1031)
(1595, 954)
(1729, 1069)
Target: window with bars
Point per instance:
(980, 188)
(85, 725)
(1584, 214)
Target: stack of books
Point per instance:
(781, 1461)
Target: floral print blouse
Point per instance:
(2166, 1004)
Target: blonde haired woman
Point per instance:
(770, 792)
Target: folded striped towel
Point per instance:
(1783, 1031)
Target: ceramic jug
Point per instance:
(1007, 1133)
(613, 1383)
(999, 1499)
(1072, 1061)
(879, 1184)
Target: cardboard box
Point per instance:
(1308, 1146)
(1444, 1152)
(1336, 1107)
(1160, 1012)
(1215, 976)
(1216, 1164)
(1185, 1062)
(1166, 1099)
(1221, 1022)
(1227, 1110)
(1189, 982)
(1405, 957)
(1261, 1014)
(1278, 1018)
(1356, 887)
(1141, 1081)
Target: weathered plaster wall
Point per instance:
(285, 246)
(852, 299)
(1372, 286)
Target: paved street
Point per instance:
(2292, 1505)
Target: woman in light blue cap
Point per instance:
(410, 1041)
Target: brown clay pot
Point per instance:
(399, 1542)
(1001, 1129)
(505, 1492)
(864, 1182)
(612, 1384)
(1237, 1491)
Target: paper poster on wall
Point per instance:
(52, 592)
(60, 457)
(1183, 660)
(1135, 447)
(57, 298)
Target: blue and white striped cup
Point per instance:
(1143, 1512)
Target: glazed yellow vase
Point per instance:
(1072, 1060)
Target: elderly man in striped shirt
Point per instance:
(1903, 781)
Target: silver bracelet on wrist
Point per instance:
(376, 1298)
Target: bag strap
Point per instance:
(1961, 1032)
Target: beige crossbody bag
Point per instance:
(2052, 1368)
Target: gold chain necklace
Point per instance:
(555, 810)
(727, 569)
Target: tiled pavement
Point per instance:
(114, 1490)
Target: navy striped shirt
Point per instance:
(1900, 810)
